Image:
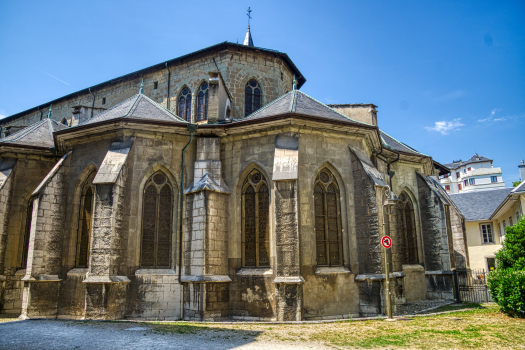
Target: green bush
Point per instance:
(507, 288)
(507, 281)
(512, 255)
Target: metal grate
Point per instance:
(472, 286)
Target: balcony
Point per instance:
(481, 171)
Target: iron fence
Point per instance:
(471, 286)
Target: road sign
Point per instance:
(386, 241)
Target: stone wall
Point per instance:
(237, 66)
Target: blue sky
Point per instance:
(448, 76)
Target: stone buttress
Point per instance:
(6, 184)
(206, 280)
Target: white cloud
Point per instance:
(444, 127)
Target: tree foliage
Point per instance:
(516, 183)
(507, 282)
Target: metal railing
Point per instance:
(471, 286)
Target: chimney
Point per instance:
(522, 170)
(218, 99)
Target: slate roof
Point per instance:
(392, 143)
(136, 107)
(298, 102)
(36, 135)
(480, 205)
(476, 158)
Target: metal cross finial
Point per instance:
(294, 83)
(141, 87)
(249, 17)
(50, 111)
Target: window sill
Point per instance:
(328, 270)
(156, 272)
(255, 271)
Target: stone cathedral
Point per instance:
(210, 187)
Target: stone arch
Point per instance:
(343, 195)
(417, 219)
(261, 84)
(77, 194)
(406, 251)
(184, 108)
(236, 233)
(177, 192)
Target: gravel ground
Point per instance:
(56, 334)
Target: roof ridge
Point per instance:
(165, 110)
(23, 132)
(333, 110)
(132, 105)
(106, 111)
(266, 106)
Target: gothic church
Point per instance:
(210, 187)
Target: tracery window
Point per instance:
(185, 104)
(255, 221)
(202, 103)
(252, 97)
(85, 221)
(408, 230)
(329, 247)
(157, 222)
(25, 242)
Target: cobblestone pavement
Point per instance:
(56, 334)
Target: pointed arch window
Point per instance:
(185, 104)
(255, 221)
(407, 227)
(252, 97)
(329, 247)
(25, 240)
(157, 222)
(202, 103)
(85, 221)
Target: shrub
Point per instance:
(512, 255)
(507, 288)
(507, 281)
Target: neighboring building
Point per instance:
(510, 210)
(484, 224)
(272, 209)
(475, 174)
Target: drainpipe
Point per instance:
(169, 75)
(93, 103)
(191, 128)
(40, 113)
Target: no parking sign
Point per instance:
(386, 241)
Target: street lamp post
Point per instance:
(386, 242)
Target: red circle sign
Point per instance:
(386, 241)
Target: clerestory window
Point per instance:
(255, 221)
(157, 222)
(202, 103)
(185, 104)
(85, 221)
(252, 97)
(329, 247)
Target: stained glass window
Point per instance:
(408, 230)
(85, 221)
(157, 222)
(255, 221)
(202, 103)
(252, 97)
(185, 104)
(327, 224)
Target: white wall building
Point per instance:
(475, 174)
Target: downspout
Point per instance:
(41, 112)
(191, 128)
(169, 75)
(93, 102)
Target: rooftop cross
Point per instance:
(249, 17)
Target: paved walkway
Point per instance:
(56, 334)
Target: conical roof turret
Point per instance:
(248, 41)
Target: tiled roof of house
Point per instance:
(476, 158)
(136, 107)
(298, 102)
(481, 204)
(396, 145)
(37, 135)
